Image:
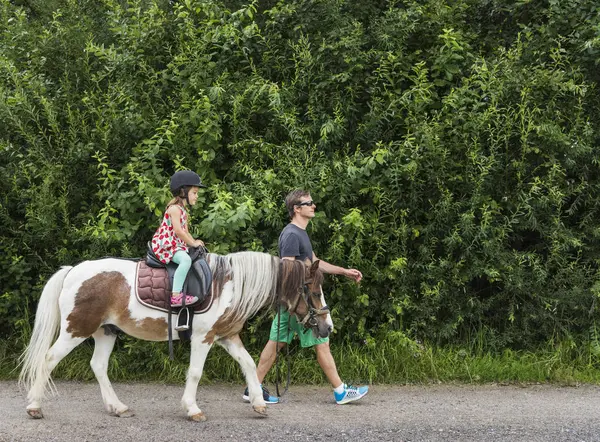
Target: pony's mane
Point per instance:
(254, 276)
(221, 271)
(292, 280)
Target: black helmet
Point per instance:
(184, 178)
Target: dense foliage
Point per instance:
(451, 148)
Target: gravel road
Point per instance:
(308, 413)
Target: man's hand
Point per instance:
(353, 274)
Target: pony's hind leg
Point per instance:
(103, 347)
(235, 347)
(61, 348)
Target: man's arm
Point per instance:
(336, 270)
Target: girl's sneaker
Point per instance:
(176, 301)
(350, 394)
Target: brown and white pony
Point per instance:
(78, 301)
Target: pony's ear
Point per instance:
(314, 267)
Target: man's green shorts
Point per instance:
(307, 338)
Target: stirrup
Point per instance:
(183, 320)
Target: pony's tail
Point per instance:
(47, 322)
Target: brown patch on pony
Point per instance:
(104, 295)
(224, 328)
(149, 329)
(94, 301)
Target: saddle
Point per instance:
(198, 280)
(153, 289)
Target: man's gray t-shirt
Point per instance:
(294, 241)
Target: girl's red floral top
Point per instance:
(165, 243)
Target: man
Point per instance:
(294, 243)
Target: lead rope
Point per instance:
(169, 325)
(277, 358)
(287, 351)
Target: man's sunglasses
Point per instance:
(306, 203)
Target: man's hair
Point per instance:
(293, 198)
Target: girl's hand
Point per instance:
(198, 243)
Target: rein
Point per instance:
(287, 358)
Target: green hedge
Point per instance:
(451, 149)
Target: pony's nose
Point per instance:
(329, 330)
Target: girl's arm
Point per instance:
(175, 214)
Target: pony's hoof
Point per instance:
(198, 417)
(126, 413)
(261, 410)
(35, 413)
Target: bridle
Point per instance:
(310, 319)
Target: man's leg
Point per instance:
(267, 359)
(279, 335)
(325, 360)
(341, 392)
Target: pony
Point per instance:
(93, 297)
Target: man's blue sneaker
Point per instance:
(266, 396)
(350, 394)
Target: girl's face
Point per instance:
(193, 195)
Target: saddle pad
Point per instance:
(153, 289)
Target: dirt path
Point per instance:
(387, 413)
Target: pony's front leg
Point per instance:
(198, 354)
(235, 347)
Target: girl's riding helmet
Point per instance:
(184, 178)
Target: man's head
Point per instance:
(299, 203)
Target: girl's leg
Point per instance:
(184, 262)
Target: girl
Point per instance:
(172, 238)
